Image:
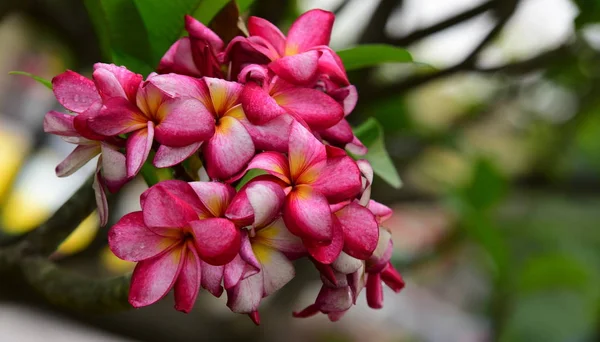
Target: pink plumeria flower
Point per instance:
(195, 55)
(268, 99)
(312, 176)
(179, 123)
(179, 231)
(297, 57)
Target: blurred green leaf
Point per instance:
(253, 173)
(207, 10)
(486, 188)
(41, 80)
(152, 175)
(368, 55)
(122, 33)
(589, 12)
(371, 135)
(554, 271)
(244, 5)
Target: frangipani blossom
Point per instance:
(312, 176)
(177, 233)
(181, 123)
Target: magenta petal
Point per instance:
(245, 297)
(306, 154)
(81, 122)
(306, 214)
(59, 124)
(233, 272)
(316, 108)
(139, 144)
(211, 278)
(381, 212)
(168, 156)
(119, 117)
(339, 134)
(178, 59)
(326, 254)
(188, 282)
(185, 121)
(199, 31)
(356, 147)
(130, 239)
(334, 299)
(79, 157)
(361, 231)
(258, 104)
(229, 150)
(74, 91)
(217, 240)
(300, 69)
(374, 291)
(214, 196)
(272, 136)
(258, 202)
(347, 97)
(392, 278)
(169, 204)
(310, 29)
(153, 278)
(339, 180)
(331, 65)
(274, 163)
(116, 81)
(114, 169)
(172, 86)
(263, 28)
(100, 196)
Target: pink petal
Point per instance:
(257, 203)
(119, 117)
(357, 147)
(130, 239)
(233, 272)
(263, 28)
(223, 94)
(247, 254)
(306, 214)
(245, 297)
(178, 59)
(188, 282)
(217, 240)
(339, 134)
(258, 104)
(153, 278)
(382, 254)
(74, 91)
(79, 157)
(169, 204)
(81, 122)
(392, 278)
(361, 231)
(381, 212)
(274, 163)
(168, 156)
(59, 124)
(326, 254)
(300, 69)
(114, 169)
(253, 73)
(316, 108)
(339, 180)
(184, 121)
(138, 148)
(276, 270)
(215, 197)
(347, 97)
(310, 29)
(116, 81)
(211, 278)
(277, 236)
(229, 150)
(272, 136)
(374, 291)
(100, 196)
(331, 65)
(197, 30)
(173, 85)
(306, 155)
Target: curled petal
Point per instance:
(59, 124)
(311, 29)
(326, 254)
(74, 91)
(253, 73)
(178, 59)
(114, 169)
(374, 291)
(306, 155)
(229, 150)
(339, 180)
(139, 144)
(211, 278)
(367, 180)
(272, 162)
(347, 97)
(263, 28)
(392, 278)
(339, 134)
(100, 196)
(361, 231)
(184, 121)
(79, 157)
(381, 212)
(258, 104)
(215, 197)
(382, 254)
(217, 240)
(116, 81)
(167, 156)
(199, 31)
(306, 214)
(169, 204)
(153, 278)
(357, 147)
(257, 203)
(300, 69)
(130, 239)
(188, 282)
(331, 65)
(233, 272)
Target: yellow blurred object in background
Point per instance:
(13, 149)
(83, 235)
(22, 213)
(114, 264)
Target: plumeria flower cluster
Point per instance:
(266, 102)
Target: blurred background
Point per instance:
(495, 133)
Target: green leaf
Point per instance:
(122, 34)
(589, 12)
(368, 55)
(486, 188)
(207, 10)
(41, 80)
(244, 5)
(555, 271)
(253, 173)
(152, 175)
(370, 134)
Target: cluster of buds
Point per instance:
(267, 102)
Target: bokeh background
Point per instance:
(495, 133)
